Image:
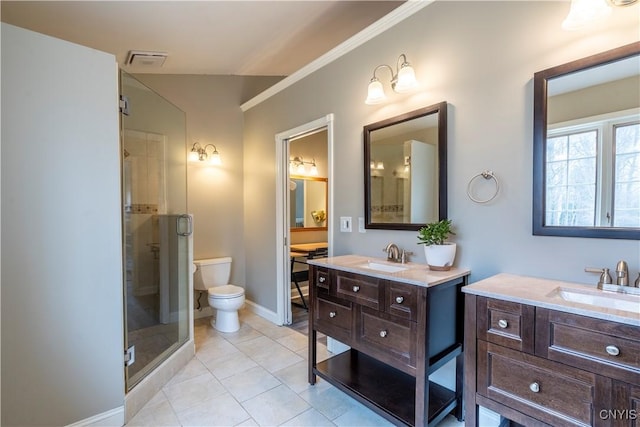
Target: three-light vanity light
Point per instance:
(297, 166)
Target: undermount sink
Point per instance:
(603, 299)
(387, 268)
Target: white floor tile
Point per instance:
(221, 410)
(191, 392)
(157, 414)
(310, 418)
(275, 406)
(229, 365)
(250, 383)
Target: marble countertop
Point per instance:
(413, 273)
(546, 293)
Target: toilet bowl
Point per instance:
(212, 275)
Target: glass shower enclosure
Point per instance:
(156, 228)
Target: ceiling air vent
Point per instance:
(146, 58)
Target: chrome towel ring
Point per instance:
(486, 174)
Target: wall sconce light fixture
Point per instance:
(402, 81)
(585, 12)
(297, 166)
(201, 154)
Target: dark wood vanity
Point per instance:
(399, 333)
(539, 366)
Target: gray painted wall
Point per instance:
(62, 358)
(480, 57)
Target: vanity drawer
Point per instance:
(387, 338)
(363, 290)
(402, 300)
(602, 346)
(321, 277)
(548, 391)
(334, 318)
(506, 323)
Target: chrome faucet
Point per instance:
(393, 252)
(622, 274)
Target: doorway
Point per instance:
(304, 201)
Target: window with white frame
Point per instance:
(593, 172)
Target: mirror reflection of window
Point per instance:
(592, 147)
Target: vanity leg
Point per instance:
(459, 411)
(470, 354)
(312, 356)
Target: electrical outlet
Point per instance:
(345, 224)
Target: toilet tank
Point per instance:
(211, 272)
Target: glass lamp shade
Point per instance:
(584, 12)
(194, 156)
(314, 170)
(406, 79)
(215, 159)
(375, 92)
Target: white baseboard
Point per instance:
(111, 418)
(262, 312)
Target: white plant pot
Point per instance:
(440, 257)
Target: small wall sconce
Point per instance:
(201, 154)
(297, 166)
(402, 81)
(584, 12)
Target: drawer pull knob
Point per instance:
(321, 279)
(383, 334)
(612, 350)
(503, 323)
(332, 314)
(534, 387)
(399, 300)
(356, 288)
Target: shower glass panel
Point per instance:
(156, 228)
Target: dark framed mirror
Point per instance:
(405, 169)
(586, 147)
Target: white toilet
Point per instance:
(212, 275)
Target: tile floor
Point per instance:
(254, 377)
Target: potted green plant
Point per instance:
(438, 252)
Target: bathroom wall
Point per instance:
(480, 57)
(62, 302)
(214, 193)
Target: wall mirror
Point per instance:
(308, 203)
(586, 147)
(405, 169)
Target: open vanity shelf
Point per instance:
(383, 388)
(399, 334)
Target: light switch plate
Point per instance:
(361, 225)
(345, 224)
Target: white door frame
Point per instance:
(283, 266)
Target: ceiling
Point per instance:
(250, 38)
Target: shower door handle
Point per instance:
(179, 221)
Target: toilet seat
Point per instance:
(225, 291)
